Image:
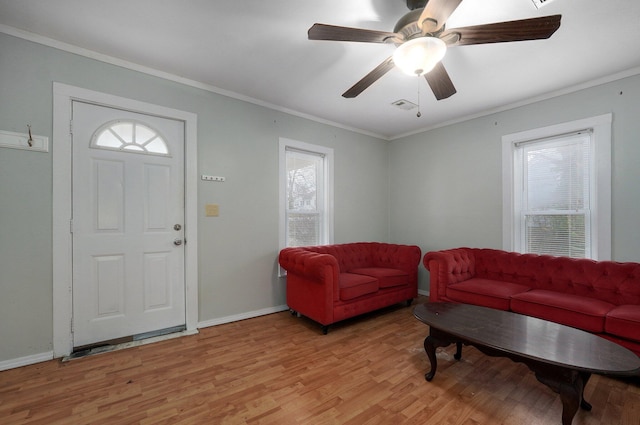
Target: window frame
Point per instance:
(600, 217)
(328, 158)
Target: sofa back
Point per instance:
(366, 254)
(616, 283)
(349, 255)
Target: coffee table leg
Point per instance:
(437, 339)
(571, 392)
(584, 405)
(430, 348)
(570, 396)
(458, 354)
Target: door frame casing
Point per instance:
(63, 97)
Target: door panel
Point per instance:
(157, 282)
(128, 274)
(109, 193)
(108, 281)
(157, 185)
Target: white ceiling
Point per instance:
(258, 50)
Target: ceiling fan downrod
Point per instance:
(419, 114)
(416, 4)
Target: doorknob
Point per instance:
(177, 242)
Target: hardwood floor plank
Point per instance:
(280, 369)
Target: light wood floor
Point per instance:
(280, 369)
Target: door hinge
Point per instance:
(70, 126)
(71, 226)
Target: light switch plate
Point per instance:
(212, 210)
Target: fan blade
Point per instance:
(336, 33)
(435, 14)
(440, 83)
(525, 29)
(370, 78)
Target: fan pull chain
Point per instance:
(419, 114)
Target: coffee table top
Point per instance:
(530, 337)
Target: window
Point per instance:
(131, 136)
(306, 176)
(557, 190)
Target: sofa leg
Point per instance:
(325, 329)
(409, 302)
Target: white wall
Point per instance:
(447, 183)
(237, 250)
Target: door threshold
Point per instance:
(134, 341)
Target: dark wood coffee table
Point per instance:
(561, 357)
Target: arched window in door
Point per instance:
(130, 136)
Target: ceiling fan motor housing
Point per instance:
(408, 27)
(416, 4)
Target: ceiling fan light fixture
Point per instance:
(420, 55)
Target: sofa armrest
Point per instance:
(311, 265)
(312, 283)
(447, 267)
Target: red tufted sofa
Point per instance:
(330, 283)
(601, 297)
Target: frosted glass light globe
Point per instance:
(420, 55)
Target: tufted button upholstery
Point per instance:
(329, 283)
(597, 296)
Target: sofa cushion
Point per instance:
(624, 321)
(571, 310)
(387, 278)
(485, 292)
(355, 285)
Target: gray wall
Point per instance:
(237, 250)
(438, 189)
(451, 177)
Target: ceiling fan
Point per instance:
(422, 41)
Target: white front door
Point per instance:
(127, 223)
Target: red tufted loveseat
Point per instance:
(601, 297)
(330, 283)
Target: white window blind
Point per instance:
(305, 207)
(556, 189)
(556, 200)
(306, 194)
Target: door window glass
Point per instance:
(129, 136)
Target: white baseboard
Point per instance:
(256, 313)
(26, 360)
(242, 316)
